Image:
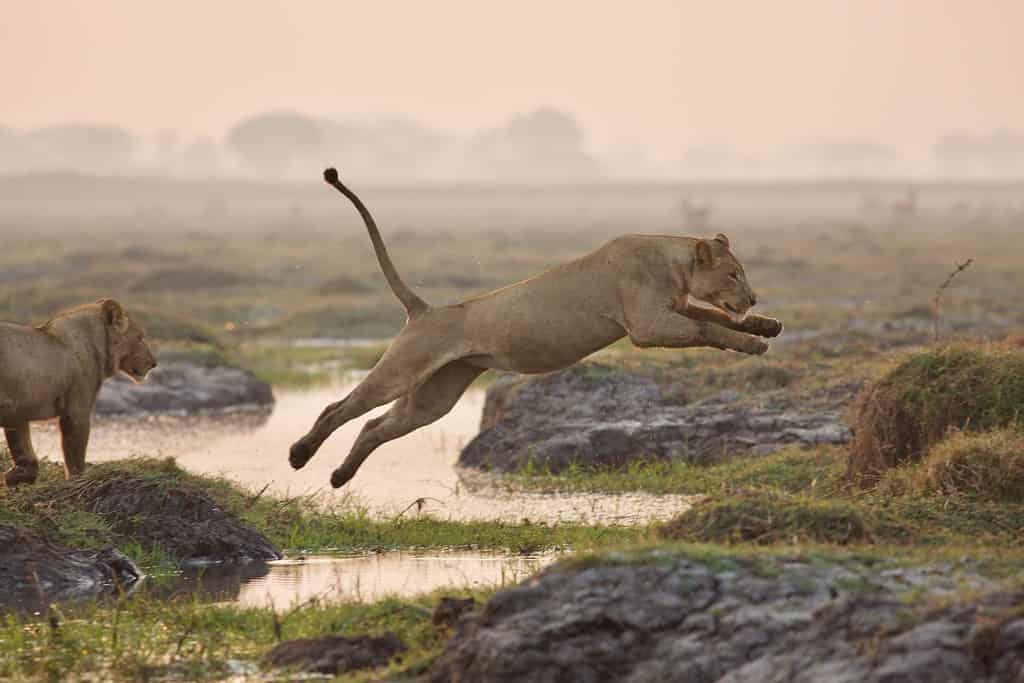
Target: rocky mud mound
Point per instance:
(35, 570)
(165, 513)
(598, 417)
(180, 386)
(669, 617)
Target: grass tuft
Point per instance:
(792, 470)
(987, 466)
(913, 406)
(764, 517)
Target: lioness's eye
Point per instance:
(734, 276)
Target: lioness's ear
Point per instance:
(114, 315)
(720, 237)
(703, 252)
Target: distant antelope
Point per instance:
(905, 208)
(696, 214)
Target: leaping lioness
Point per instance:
(636, 285)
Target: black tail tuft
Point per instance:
(413, 304)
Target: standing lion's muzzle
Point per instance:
(140, 373)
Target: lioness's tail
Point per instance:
(413, 304)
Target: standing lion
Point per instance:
(55, 371)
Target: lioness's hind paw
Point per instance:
(340, 477)
(299, 455)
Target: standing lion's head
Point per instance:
(127, 349)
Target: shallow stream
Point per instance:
(284, 584)
(252, 450)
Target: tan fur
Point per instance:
(639, 286)
(55, 371)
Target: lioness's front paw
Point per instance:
(763, 326)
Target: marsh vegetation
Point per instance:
(281, 281)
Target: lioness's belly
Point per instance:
(544, 343)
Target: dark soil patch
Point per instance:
(449, 610)
(346, 284)
(915, 405)
(335, 654)
(188, 278)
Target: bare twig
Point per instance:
(937, 299)
(418, 504)
(114, 623)
(184, 636)
(48, 610)
(280, 619)
(252, 501)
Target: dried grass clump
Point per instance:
(917, 403)
(987, 466)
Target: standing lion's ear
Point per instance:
(720, 237)
(703, 251)
(114, 315)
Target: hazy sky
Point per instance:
(656, 73)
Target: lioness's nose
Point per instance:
(753, 299)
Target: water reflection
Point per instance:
(286, 583)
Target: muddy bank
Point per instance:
(181, 385)
(664, 616)
(149, 504)
(593, 415)
(169, 515)
(35, 570)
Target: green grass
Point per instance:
(293, 524)
(790, 470)
(801, 497)
(292, 366)
(142, 638)
(912, 520)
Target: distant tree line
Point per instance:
(543, 145)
